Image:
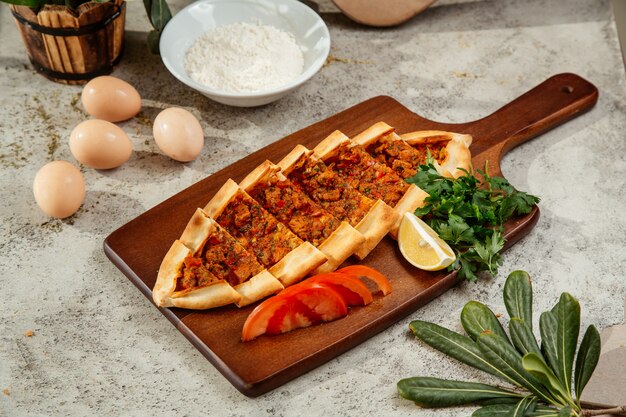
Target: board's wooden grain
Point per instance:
(256, 367)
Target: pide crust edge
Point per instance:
(343, 242)
(327, 148)
(297, 264)
(458, 153)
(258, 174)
(286, 164)
(257, 287)
(164, 293)
(413, 198)
(220, 200)
(373, 133)
(254, 288)
(374, 226)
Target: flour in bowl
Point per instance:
(244, 57)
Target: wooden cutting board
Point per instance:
(256, 367)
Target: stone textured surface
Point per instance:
(100, 348)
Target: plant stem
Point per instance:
(621, 410)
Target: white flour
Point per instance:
(244, 57)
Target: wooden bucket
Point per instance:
(71, 47)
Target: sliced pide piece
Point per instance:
(371, 177)
(405, 153)
(373, 219)
(414, 198)
(285, 255)
(307, 219)
(227, 259)
(360, 170)
(386, 147)
(184, 281)
(452, 149)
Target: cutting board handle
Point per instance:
(553, 102)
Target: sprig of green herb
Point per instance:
(468, 213)
(159, 15)
(546, 377)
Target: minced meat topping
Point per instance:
(227, 259)
(330, 191)
(374, 179)
(195, 274)
(257, 230)
(291, 206)
(405, 159)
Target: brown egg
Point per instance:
(178, 134)
(109, 98)
(100, 144)
(59, 189)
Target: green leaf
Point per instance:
(548, 327)
(508, 360)
(500, 401)
(522, 202)
(526, 404)
(154, 37)
(535, 364)
(587, 359)
(435, 392)
(466, 267)
(477, 318)
(565, 412)
(543, 410)
(147, 4)
(518, 296)
(459, 347)
(522, 337)
(28, 3)
(501, 410)
(487, 255)
(456, 231)
(159, 14)
(567, 312)
(499, 183)
(495, 410)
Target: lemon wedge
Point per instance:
(421, 246)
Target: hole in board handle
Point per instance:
(567, 89)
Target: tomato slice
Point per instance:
(351, 289)
(362, 271)
(298, 306)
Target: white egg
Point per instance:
(178, 134)
(109, 98)
(100, 144)
(59, 189)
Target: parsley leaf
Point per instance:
(455, 231)
(468, 213)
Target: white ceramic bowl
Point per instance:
(292, 16)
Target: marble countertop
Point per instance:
(99, 347)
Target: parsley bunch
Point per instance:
(468, 214)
